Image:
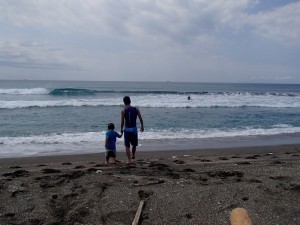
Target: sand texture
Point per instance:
(178, 188)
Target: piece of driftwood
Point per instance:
(240, 216)
(138, 213)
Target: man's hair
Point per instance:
(111, 126)
(126, 100)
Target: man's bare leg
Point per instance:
(133, 152)
(128, 154)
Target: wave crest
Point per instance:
(89, 91)
(72, 91)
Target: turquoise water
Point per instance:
(61, 117)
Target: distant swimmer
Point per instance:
(189, 97)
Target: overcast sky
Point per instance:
(151, 40)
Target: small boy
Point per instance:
(110, 142)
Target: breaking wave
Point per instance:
(86, 91)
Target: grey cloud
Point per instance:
(31, 55)
(163, 39)
(175, 21)
(281, 24)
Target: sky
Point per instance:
(240, 41)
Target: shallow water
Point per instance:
(62, 117)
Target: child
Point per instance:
(110, 142)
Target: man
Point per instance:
(128, 118)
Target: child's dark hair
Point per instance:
(111, 126)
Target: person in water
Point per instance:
(128, 119)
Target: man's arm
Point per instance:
(122, 120)
(141, 119)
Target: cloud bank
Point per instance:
(163, 34)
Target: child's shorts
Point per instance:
(110, 154)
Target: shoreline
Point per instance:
(202, 144)
(202, 186)
(158, 153)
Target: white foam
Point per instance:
(52, 144)
(57, 103)
(226, 100)
(54, 139)
(217, 133)
(168, 101)
(72, 143)
(25, 91)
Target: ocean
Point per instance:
(70, 117)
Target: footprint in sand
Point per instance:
(45, 171)
(188, 170)
(244, 163)
(144, 194)
(179, 161)
(189, 216)
(223, 158)
(277, 162)
(40, 165)
(74, 174)
(79, 167)
(205, 160)
(251, 157)
(15, 167)
(225, 174)
(173, 175)
(17, 173)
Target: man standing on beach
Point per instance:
(128, 118)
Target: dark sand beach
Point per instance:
(178, 187)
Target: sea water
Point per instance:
(70, 117)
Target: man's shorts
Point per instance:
(110, 154)
(130, 137)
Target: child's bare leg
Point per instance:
(106, 161)
(114, 160)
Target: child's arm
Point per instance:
(106, 139)
(106, 142)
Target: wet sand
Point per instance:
(178, 187)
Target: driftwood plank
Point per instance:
(138, 213)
